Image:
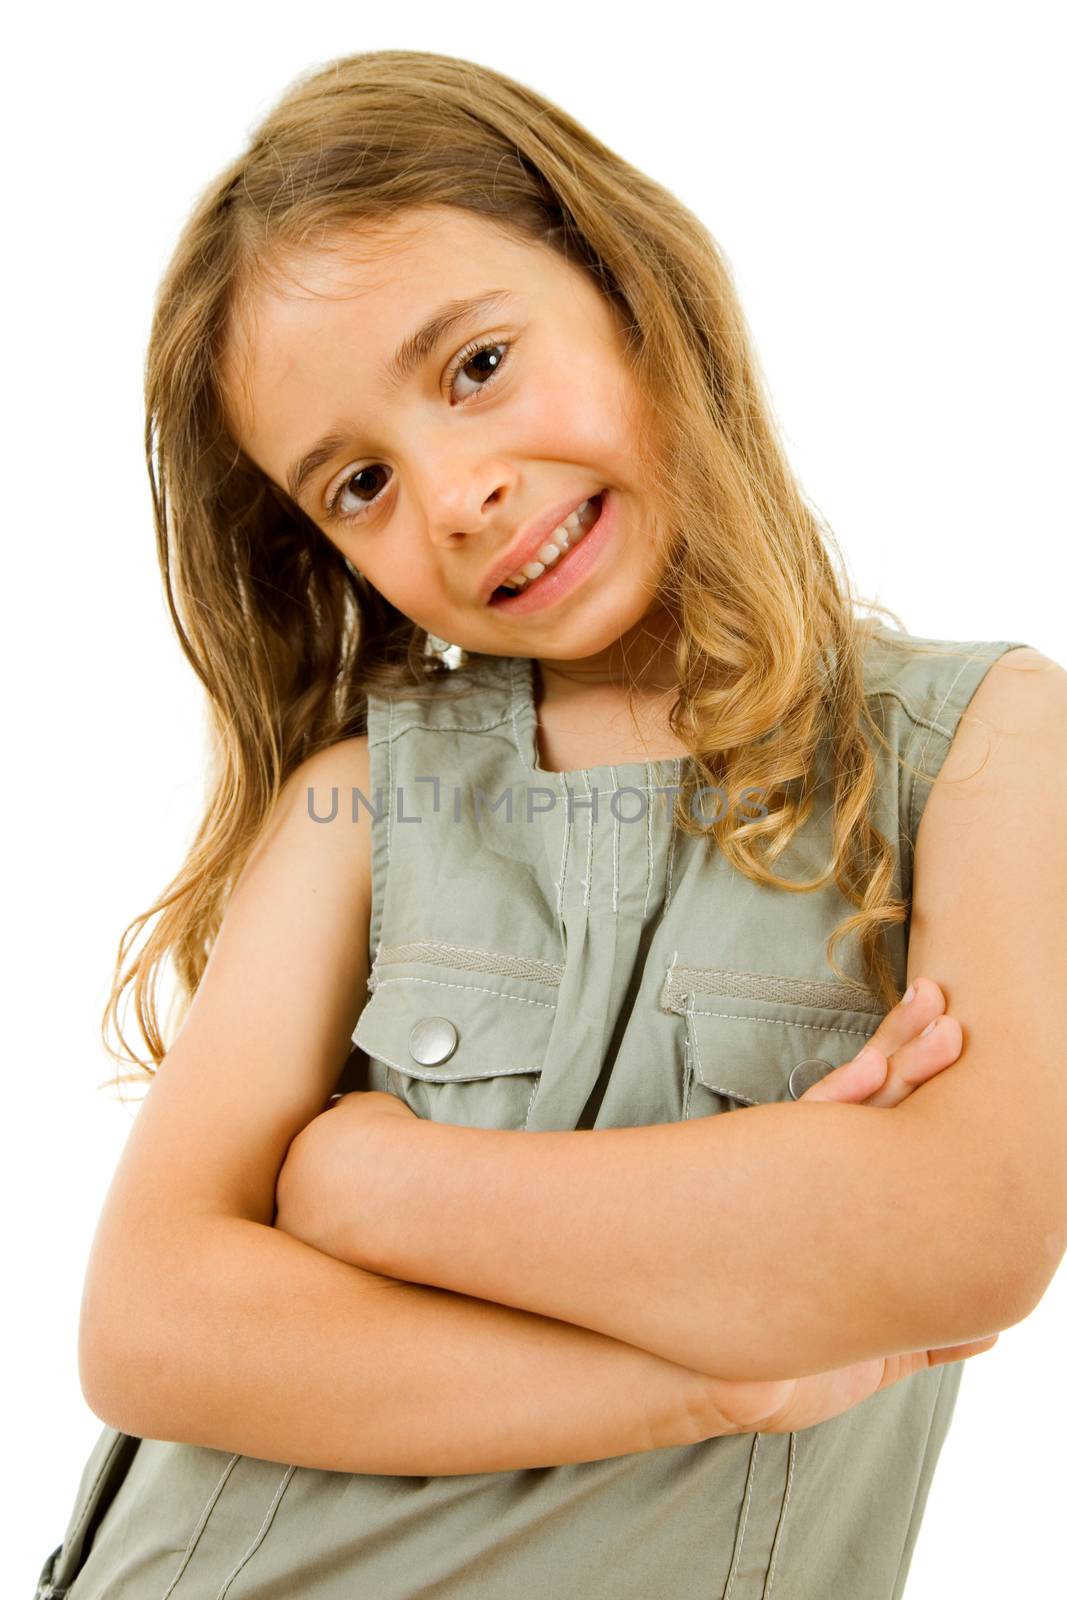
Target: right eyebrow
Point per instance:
(423, 342)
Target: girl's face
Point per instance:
(429, 461)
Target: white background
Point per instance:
(886, 183)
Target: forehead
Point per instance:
(358, 292)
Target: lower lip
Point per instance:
(566, 573)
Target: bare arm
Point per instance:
(371, 1184)
(649, 1235)
(202, 1323)
(792, 1237)
(253, 1342)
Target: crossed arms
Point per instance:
(787, 1238)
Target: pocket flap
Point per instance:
(442, 1031)
(756, 1053)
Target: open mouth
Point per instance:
(554, 553)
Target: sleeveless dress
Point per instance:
(551, 952)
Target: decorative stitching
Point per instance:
(674, 830)
(776, 987)
(434, 1075)
(622, 788)
(529, 1103)
(261, 1535)
(439, 983)
(451, 727)
(566, 847)
(201, 1524)
(691, 1039)
(894, 691)
(687, 1081)
(75, 1532)
(588, 879)
(931, 727)
(614, 846)
(513, 699)
(435, 951)
(780, 1022)
(693, 1042)
(750, 1479)
(650, 855)
(509, 676)
(781, 1518)
(895, 694)
(934, 725)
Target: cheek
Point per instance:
(571, 421)
(408, 585)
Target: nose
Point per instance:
(466, 502)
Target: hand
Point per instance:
(788, 1404)
(884, 1075)
(302, 1202)
(895, 1060)
(368, 1105)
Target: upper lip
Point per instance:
(524, 546)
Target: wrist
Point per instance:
(303, 1195)
(376, 1178)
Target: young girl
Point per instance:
(555, 770)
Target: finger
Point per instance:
(913, 1055)
(919, 1060)
(908, 1018)
(855, 1082)
(962, 1352)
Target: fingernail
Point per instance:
(930, 1026)
(909, 994)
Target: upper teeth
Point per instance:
(568, 533)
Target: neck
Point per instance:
(643, 657)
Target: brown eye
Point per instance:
(489, 357)
(357, 484)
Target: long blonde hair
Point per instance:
(287, 638)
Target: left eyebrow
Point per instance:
(409, 356)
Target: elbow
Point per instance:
(1034, 1264)
(93, 1366)
(1016, 1269)
(134, 1389)
(1031, 1227)
(106, 1374)
(127, 1357)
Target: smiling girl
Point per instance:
(507, 1211)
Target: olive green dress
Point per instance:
(554, 953)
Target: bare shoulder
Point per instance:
(1019, 706)
(269, 1027)
(341, 767)
(344, 762)
(315, 819)
(1023, 665)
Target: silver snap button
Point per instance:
(807, 1073)
(432, 1040)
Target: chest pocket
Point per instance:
(752, 1038)
(463, 1046)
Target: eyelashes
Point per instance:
(468, 354)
